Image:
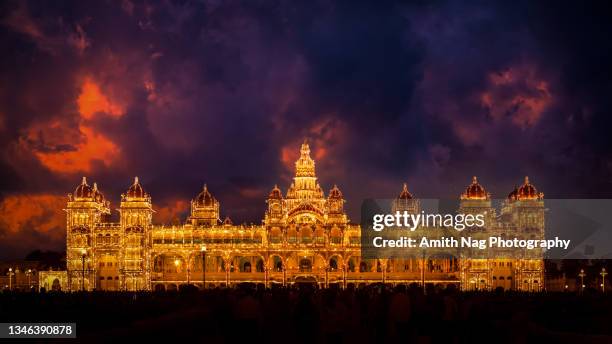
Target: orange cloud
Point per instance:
(39, 212)
(92, 100)
(516, 93)
(171, 211)
(65, 149)
(94, 147)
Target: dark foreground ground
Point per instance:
(371, 315)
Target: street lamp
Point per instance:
(29, 273)
(83, 253)
(10, 278)
(582, 275)
(203, 250)
(177, 262)
(603, 274)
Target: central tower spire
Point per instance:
(305, 184)
(305, 166)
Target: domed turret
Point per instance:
(405, 201)
(275, 193)
(97, 195)
(83, 190)
(335, 193)
(528, 191)
(475, 191)
(205, 209)
(335, 204)
(204, 198)
(136, 190)
(405, 194)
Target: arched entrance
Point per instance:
(305, 265)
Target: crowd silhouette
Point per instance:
(305, 314)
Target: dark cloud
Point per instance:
(186, 93)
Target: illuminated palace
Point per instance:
(305, 237)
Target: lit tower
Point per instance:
(85, 208)
(524, 211)
(335, 207)
(136, 215)
(526, 206)
(276, 207)
(305, 195)
(477, 272)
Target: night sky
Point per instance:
(224, 92)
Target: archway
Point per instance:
(259, 266)
(351, 264)
(333, 264)
(277, 263)
(56, 285)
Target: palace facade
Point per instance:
(305, 237)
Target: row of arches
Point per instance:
(305, 234)
(177, 263)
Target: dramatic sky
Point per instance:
(224, 92)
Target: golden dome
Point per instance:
(83, 190)
(405, 194)
(205, 198)
(475, 191)
(136, 190)
(335, 192)
(528, 191)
